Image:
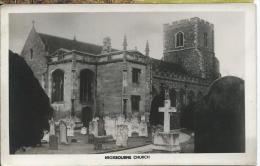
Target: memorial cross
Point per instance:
(166, 110)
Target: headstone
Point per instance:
(70, 127)
(120, 120)
(52, 127)
(63, 133)
(101, 127)
(53, 142)
(93, 127)
(143, 131)
(83, 131)
(122, 135)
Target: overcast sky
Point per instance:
(138, 27)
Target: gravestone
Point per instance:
(143, 131)
(167, 140)
(53, 142)
(52, 127)
(63, 133)
(122, 135)
(101, 127)
(83, 131)
(93, 127)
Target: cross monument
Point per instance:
(166, 110)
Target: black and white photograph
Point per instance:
(114, 83)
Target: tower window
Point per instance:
(135, 102)
(31, 53)
(205, 37)
(179, 39)
(136, 75)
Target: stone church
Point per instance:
(88, 80)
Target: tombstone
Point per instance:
(52, 127)
(93, 127)
(220, 118)
(83, 131)
(101, 127)
(143, 131)
(53, 142)
(167, 140)
(63, 133)
(122, 135)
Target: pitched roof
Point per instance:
(54, 43)
(163, 66)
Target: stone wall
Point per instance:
(109, 87)
(38, 62)
(141, 89)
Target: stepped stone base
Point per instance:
(166, 142)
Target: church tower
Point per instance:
(190, 43)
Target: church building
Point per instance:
(88, 80)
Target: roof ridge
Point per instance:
(68, 39)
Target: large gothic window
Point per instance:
(182, 97)
(191, 97)
(179, 39)
(86, 86)
(57, 85)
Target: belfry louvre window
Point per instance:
(57, 85)
(205, 36)
(136, 75)
(179, 39)
(135, 103)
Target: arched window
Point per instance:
(191, 97)
(205, 37)
(179, 39)
(57, 85)
(86, 85)
(182, 97)
(173, 97)
(199, 95)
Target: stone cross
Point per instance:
(166, 110)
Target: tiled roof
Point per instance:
(54, 43)
(163, 66)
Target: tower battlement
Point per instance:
(182, 22)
